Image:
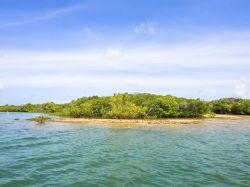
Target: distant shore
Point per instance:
(151, 121)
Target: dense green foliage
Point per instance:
(231, 106)
(136, 106)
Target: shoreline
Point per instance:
(168, 121)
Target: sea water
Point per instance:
(211, 153)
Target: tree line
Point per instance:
(136, 106)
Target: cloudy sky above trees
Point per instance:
(61, 50)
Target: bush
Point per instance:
(40, 119)
(139, 106)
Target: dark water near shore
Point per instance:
(213, 153)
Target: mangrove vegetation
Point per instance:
(136, 106)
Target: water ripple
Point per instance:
(215, 153)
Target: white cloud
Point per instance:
(47, 16)
(194, 55)
(145, 28)
(243, 79)
(111, 52)
(241, 88)
(1, 86)
(212, 92)
(88, 31)
(112, 67)
(71, 80)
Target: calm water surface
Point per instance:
(213, 153)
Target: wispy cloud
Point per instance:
(241, 88)
(112, 52)
(212, 92)
(70, 80)
(1, 86)
(101, 67)
(145, 28)
(46, 16)
(190, 55)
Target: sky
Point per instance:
(64, 49)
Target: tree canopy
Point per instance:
(136, 106)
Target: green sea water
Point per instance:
(212, 153)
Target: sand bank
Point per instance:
(131, 121)
(150, 121)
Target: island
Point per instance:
(136, 108)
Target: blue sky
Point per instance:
(61, 50)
